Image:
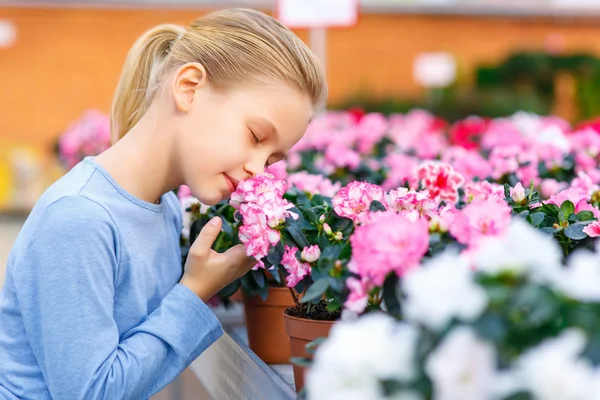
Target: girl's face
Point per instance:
(223, 138)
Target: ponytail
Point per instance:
(138, 80)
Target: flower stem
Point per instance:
(289, 288)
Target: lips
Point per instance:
(231, 183)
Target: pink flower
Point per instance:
(480, 219)
(184, 192)
(341, 156)
(387, 242)
(263, 186)
(354, 200)
(311, 254)
(518, 194)
(278, 170)
(255, 234)
(482, 190)
(444, 219)
(403, 199)
(578, 198)
(371, 129)
(469, 163)
(593, 229)
(550, 187)
(359, 295)
(313, 184)
(296, 270)
(584, 184)
(440, 180)
(259, 200)
(401, 169)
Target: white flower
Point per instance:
(581, 279)
(522, 250)
(553, 371)
(462, 367)
(186, 203)
(443, 288)
(358, 354)
(554, 136)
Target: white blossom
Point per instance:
(522, 250)
(462, 367)
(581, 279)
(554, 371)
(442, 289)
(358, 354)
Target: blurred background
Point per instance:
(60, 62)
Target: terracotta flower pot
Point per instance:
(301, 332)
(265, 326)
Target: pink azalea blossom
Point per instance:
(387, 242)
(311, 254)
(401, 168)
(263, 186)
(403, 199)
(482, 190)
(440, 180)
(354, 200)
(359, 295)
(184, 192)
(313, 184)
(255, 233)
(296, 270)
(341, 156)
(481, 218)
(370, 130)
(584, 184)
(577, 197)
(444, 218)
(593, 229)
(549, 187)
(518, 194)
(467, 162)
(278, 170)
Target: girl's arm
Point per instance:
(65, 290)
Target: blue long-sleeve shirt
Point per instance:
(91, 307)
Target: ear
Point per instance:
(189, 79)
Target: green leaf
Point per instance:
(342, 224)
(524, 214)
(507, 191)
(259, 277)
(491, 327)
(314, 344)
(333, 306)
(536, 218)
(550, 209)
(297, 235)
(521, 396)
(567, 208)
(316, 290)
(346, 252)
(585, 215)
(332, 251)
(592, 350)
(390, 295)
(311, 216)
(230, 289)
(275, 254)
(376, 206)
(575, 232)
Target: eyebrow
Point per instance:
(269, 125)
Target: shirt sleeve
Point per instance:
(66, 288)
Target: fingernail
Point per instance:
(214, 221)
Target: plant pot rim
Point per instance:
(316, 321)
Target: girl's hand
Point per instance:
(206, 271)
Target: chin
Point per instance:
(211, 199)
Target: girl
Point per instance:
(94, 305)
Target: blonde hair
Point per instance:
(235, 46)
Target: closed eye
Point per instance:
(254, 137)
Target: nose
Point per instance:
(256, 166)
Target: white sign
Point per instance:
(434, 70)
(8, 33)
(317, 13)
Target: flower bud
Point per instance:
(327, 229)
(338, 236)
(322, 218)
(311, 254)
(518, 194)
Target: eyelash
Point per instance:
(254, 137)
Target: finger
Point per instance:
(236, 255)
(202, 245)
